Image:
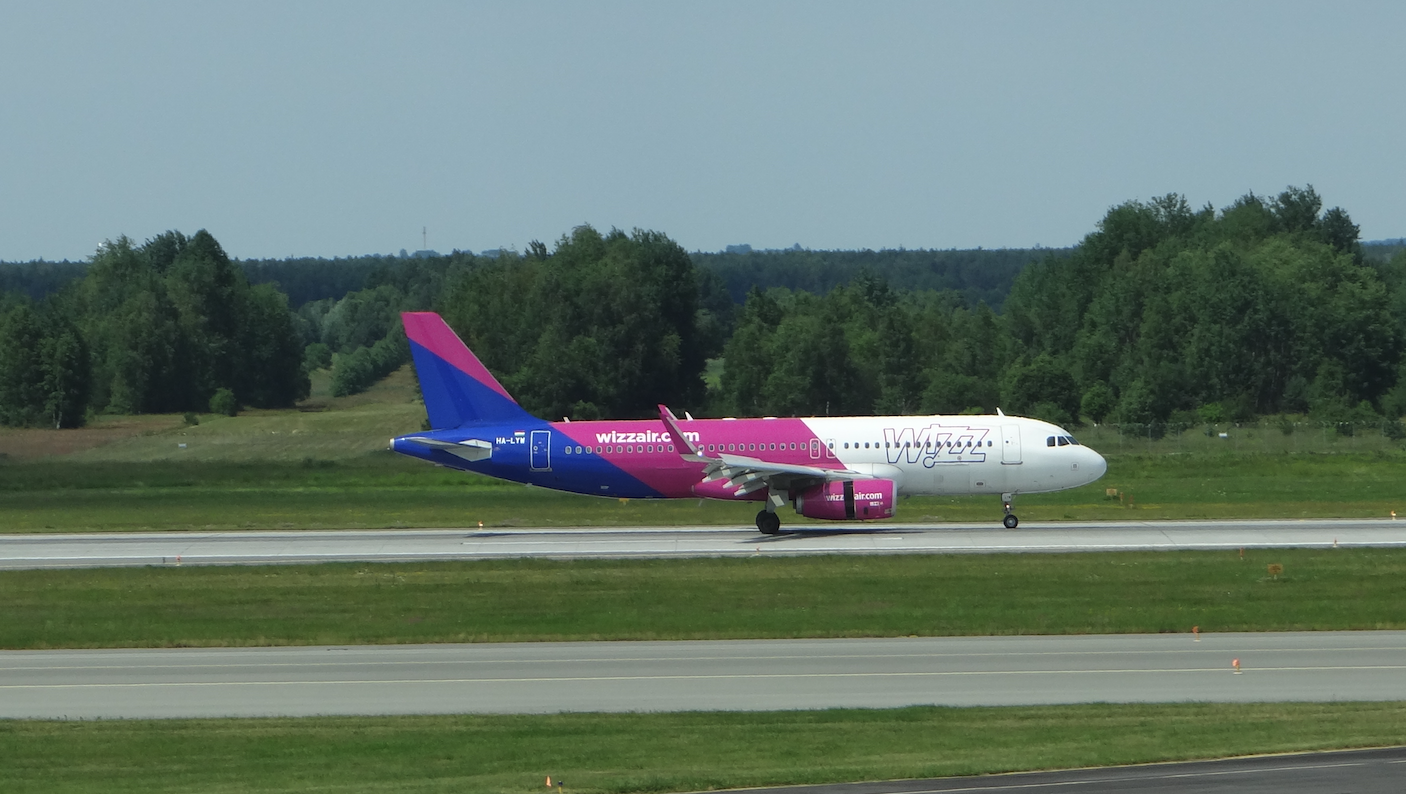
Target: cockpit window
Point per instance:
(1049, 442)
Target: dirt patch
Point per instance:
(18, 445)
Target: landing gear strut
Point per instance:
(768, 522)
(1010, 521)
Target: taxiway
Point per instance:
(715, 675)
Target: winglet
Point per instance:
(686, 448)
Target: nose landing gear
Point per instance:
(1010, 521)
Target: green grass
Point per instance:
(752, 597)
(385, 490)
(657, 752)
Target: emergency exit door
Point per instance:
(1010, 444)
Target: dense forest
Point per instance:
(1163, 315)
(978, 276)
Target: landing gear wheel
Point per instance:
(769, 523)
(1010, 521)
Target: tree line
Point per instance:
(1162, 315)
(154, 328)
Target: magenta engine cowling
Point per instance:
(848, 499)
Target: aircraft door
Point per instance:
(1010, 444)
(541, 450)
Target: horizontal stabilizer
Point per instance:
(471, 449)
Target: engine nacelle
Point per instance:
(848, 499)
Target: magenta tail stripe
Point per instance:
(429, 331)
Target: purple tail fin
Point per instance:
(458, 389)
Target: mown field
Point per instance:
(759, 597)
(656, 752)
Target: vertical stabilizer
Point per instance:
(458, 389)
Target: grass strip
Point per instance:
(384, 490)
(756, 597)
(658, 752)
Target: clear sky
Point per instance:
(341, 128)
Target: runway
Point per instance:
(1376, 771)
(680, 676)
(255, 547)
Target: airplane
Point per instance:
(829, 468)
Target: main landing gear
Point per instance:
(768, 522)
(1010, 521)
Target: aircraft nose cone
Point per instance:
(1097, 467)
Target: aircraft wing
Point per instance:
(743, 475)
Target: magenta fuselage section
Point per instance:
(644, 450)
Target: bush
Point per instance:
(355, 372)
(1393, 429)
(1050, 412)
(1098, 402)
(223, 403)
(317, 356)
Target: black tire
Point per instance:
(768, 523)
(1011, 521)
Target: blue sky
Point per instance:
(333, 129)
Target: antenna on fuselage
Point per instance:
(998, 412)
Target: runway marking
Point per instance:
(727, 677)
